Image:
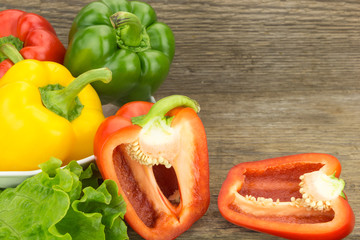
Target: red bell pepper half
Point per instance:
(32, 35)
(157, 154)
(294, 197)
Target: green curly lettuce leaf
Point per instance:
(63, 203)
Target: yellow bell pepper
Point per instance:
(45, 112)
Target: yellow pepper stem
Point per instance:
(64, 101)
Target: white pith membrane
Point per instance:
(318, 190)
(307, 200)
(157, 146)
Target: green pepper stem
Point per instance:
(130, 26)
(338, 183)
(11, 52)
(64, 101)
(130, 33)
(163, 106)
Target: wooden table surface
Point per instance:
(273, 78)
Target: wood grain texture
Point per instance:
(273, 78)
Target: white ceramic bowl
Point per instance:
(14, 178)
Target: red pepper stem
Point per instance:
(11, 52)
(64, 101)
(338, 183)
(163, 106)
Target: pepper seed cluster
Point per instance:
(136, 153)
(308, 201)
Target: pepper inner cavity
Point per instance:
(163, 171)
(167, 181)
(131, 188)
(276, 184)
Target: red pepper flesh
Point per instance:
(268, 196)
(37, 34)
(163, 200)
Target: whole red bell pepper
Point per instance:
(294, 197)
(32, 35)
(157, 154)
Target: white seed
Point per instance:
(135, 148)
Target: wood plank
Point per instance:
(273, 78)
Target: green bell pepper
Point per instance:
(125, 37)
